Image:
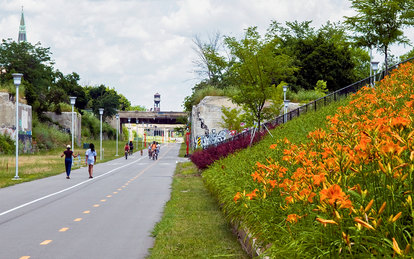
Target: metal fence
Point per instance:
(315, 105)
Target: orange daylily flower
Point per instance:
(326, 221)
(292, 218)
(252, 194)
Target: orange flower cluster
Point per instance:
(367, 149)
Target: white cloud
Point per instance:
(141, 47)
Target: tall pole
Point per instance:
(101, 110)
(72, 102)
(136, 126)
(129, 129)
(117, 130)
(17, 78)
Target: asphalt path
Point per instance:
(109, 216)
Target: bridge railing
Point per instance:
(314, 105)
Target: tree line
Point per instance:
(252, 69)
(48, 89)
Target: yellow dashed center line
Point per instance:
(108, 196)
(119, 189)
(96, 205)
(103, 200)
(115, 192)
(123, 186)
(24, 257)
(46, 242)
(63, 229)
(86, 212)
(77, 219)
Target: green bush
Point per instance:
(91, 127)
(48, 136)
(304, 96)
(6, 145)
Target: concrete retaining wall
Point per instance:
(65, 121)
(8, 121)
(206, 120)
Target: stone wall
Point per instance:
(8, 121)
(65, 121)
(206, 120)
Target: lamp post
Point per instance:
(286, 102)
(136, 128)
(129, 129)
(285, 88)
(101, 110)
(374, 65)
(17, 79)
(72, 102)
(117, 130)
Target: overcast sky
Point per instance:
(140, 47)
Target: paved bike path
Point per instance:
(109, 216)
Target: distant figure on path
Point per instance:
(90, 158)
(126, 150)
(68, 160)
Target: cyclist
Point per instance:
(158, 147)
(126, 150)
(153, 148)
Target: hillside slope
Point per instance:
(340, 186)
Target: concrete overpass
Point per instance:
(153, 123)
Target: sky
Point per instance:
(143, 47)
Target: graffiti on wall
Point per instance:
(212, 138)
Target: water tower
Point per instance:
(157, 100)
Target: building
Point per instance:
(22, 30)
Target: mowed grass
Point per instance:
(193, 226)
(45, 164)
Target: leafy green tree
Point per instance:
(380, 23)
(124, 103)
(257, 69)
(321, 54)
(209, 64)
(69, 84)
(35, 63)
(231, 119)
(137, 108)
(407, 55)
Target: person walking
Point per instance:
(90, 158)
(68, 160)
(131, 147)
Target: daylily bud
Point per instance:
(368, 207)
(381, 210)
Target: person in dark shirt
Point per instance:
(68, 160)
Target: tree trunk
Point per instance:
(386, 59)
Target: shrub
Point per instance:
(6, 145)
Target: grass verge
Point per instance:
(45, 164)
(193, 225)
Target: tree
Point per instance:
(380, 23)
(69, 84)
(210, 65)
(232, 119)
(258, 68)
(35, 63)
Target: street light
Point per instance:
(285, 88)
(117, 129)
(17, 79)
(101, 110)
(129, 129)
(374, 65)
(72, 102)
(286, 102)
(136, 126)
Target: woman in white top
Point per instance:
(90, 158)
